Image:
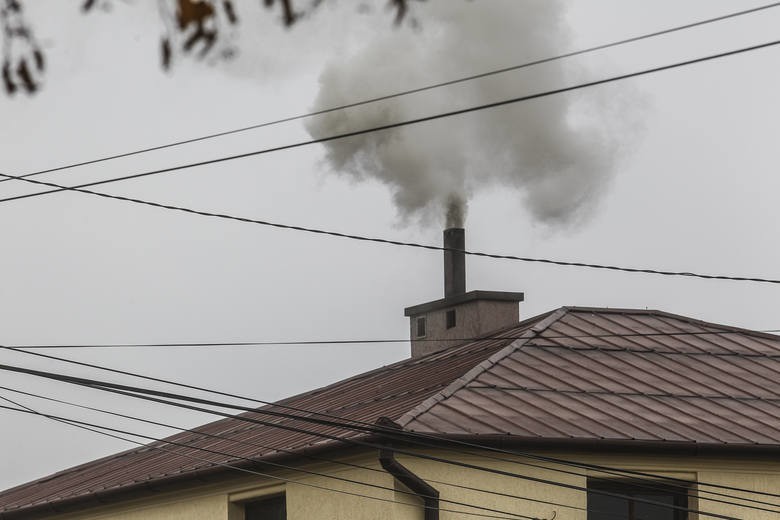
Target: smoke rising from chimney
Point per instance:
(556, 152)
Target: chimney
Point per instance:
(454, 262)
(460, 315)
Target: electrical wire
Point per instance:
(416, 245)
(382, 128)
(636, 482)
(650, 395)
(610, 348)
(297, 454)
(369, 427)
(75, 422)
(753, 280)
(373, 427)
(409, 91)
(81, 188)
(554, 483)
(164, 398)
(422, 340)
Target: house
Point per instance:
(579, 413)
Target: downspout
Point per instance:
(428, 493)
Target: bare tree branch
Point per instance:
(23, 60)
(200, 28)
(196, 27)
(288, 14)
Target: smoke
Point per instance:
(556, 152)
(456, 211)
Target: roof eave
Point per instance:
(513, 442)
(172, 483)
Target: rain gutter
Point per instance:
(428, 493)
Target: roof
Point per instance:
(582, 374)
(619, 375)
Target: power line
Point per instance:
(416, 245)
(611, 348)
(66, 188)
(649, 394)
(164, 398)
(282, 450)
(97, 429)
(636, 482)
(381, 128)
(374, 341)
(356, 442)
(369, 427)
(80, 188)
(89, 425)
(408, 92)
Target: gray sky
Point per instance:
(694, 189)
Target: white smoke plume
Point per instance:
(555, 152)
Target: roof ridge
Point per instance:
(431, 356)
(681, 317)
(472, 374)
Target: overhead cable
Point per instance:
(379, 128)
(416, 437)
(242, 459)
(290, 452)
(356, 442)
(409, 91)
(166, 398)
(639, 483)
(416, 245)
(370, 341)
(81, 188)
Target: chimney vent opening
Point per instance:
(421, 327)
(451, 319)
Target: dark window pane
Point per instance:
(653, 512)
(632, 505)
(268, 509)
(606, 508)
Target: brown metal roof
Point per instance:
(389, 391)
(619, 375)
(581, 374)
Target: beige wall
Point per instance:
(307, 500)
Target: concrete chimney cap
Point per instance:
(501, 296)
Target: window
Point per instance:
(273, 508)
(420, 326)
(633, 507)
(451, 319)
